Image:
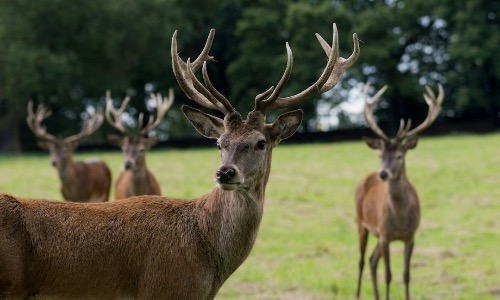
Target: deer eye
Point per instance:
(261, 144)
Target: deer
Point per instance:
(83, 180)
(158, 247)
(136, 179)
(387, 203)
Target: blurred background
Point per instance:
(66, 54)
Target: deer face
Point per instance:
(60, 153)
(392, 155)
(245, 146)
(134, 149)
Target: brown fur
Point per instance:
(90, 182)
(133, 183)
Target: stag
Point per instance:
(136, 179)
(387, 203)
(81, 181)
(153, 247)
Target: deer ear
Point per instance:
(115, 140)
(410, 143)
(286, 125)
(152, 140)
(373, 143)
(73, 145)
(43, 144)
(207, 125)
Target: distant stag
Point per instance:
(81, 181)
(136, 179)
(387, 204)
(152, 247)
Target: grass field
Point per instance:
(307, 244)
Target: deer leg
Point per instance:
(373, 268)
(384, 248)
(363, 239)
(406, 275)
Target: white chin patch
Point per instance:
(227, 186)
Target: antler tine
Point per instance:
(34, 120)
(220, 99)
(263, 105)
(163, 104)
(368, 111)
(91, 125)
(433, 112)
(334, 69)
(403, 129)
(190, 85)
(113, 116)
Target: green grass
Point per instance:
(307, 244)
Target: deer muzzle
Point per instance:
(226, 177)
(384, 175)
(128, 165)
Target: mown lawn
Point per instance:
(307, 247)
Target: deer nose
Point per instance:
(225, 174)
(383, 174)
(128, 165)
(53, 163)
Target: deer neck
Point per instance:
(399, 189)
(230, 221)
(139, 173)
(139, 178)
(67, 170)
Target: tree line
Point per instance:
(66, 54)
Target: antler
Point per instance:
(35, 119)
(207, 96)
(368, 111)
(91, 125)
(113, 116)
(163, 104)
(334, 69)
(404, 130)
(433, 112)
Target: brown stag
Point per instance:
(387, 203)
(136, 179)
(152, 247)
(81, 181)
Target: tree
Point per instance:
(66, 54)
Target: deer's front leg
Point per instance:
(373, 268)
(406, 275)
(363, 239)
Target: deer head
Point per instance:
(393, 150)
(60, 150)
(134, 146)
(246, 144)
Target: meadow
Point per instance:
(307, 247)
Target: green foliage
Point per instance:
(307, 247)
(67, 53)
